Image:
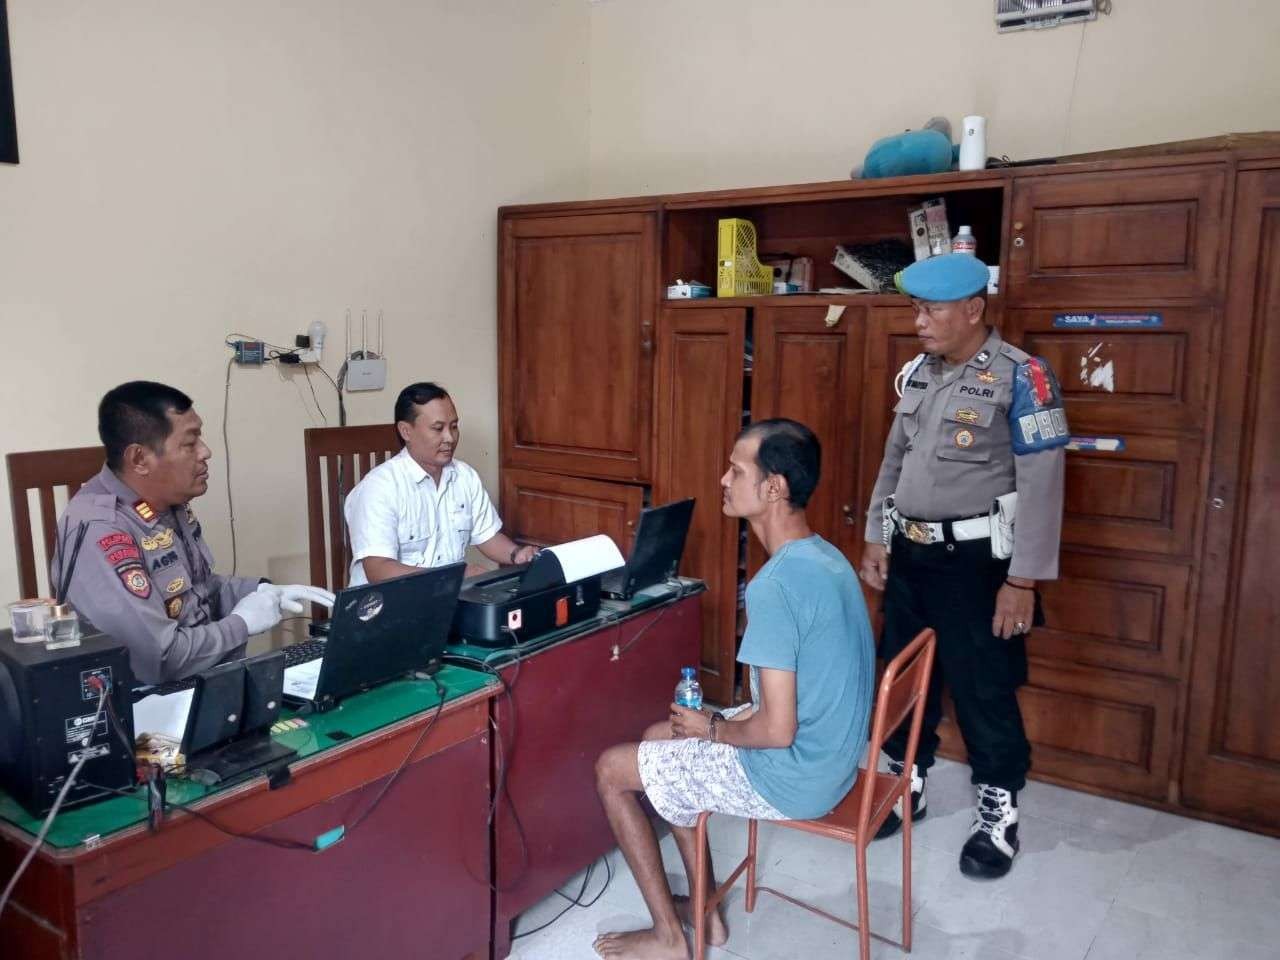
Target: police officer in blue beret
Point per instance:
(964, 521)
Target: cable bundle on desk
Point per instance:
(157, 799)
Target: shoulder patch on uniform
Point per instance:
(116, 539)
(1037, 420)
(136, 581)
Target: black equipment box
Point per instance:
(494, 611)
(47, 706)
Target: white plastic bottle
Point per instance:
(973, 143)
(964, 242)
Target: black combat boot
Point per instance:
(893, 823)
(993, 839)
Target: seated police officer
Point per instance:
(131, 555)
(423, 508)
(978, 439)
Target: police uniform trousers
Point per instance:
(951, 587)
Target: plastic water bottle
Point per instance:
(689, 690)
(964, 242)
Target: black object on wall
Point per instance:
(8, 119)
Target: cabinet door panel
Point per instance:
(699, 412)
(812, 372)
(1122, 613)
(576, 343)
(1109, 730)
(1232, 758)
(546, 508)
(1116, 237)
(1148, 379)
(1142, 498)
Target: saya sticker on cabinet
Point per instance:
(1096, 370)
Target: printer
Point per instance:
(558, 588)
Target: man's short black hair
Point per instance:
(137, 412)
(414, 396)
(791, 450)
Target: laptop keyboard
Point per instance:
(304, 652)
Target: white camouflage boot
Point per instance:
(893, 823)
(993, 837)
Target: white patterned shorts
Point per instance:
(683, 778)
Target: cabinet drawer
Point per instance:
(546, 508)
(1142, 498)
(1142, 235)
(1112, 612)
(1116, 378)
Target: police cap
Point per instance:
(948, 276)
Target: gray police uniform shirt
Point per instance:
(951, 449)
(146, 579)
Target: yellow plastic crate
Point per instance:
(738, 272)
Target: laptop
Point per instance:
(379, 631)
(656, 554)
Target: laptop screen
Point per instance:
(386, 629)
(659, 544)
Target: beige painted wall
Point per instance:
(190, 169)
(700, 94)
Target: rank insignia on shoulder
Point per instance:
(144, 510)
(964, 438)
(982, 357)
(176, 585)
(968, 415)
(173, 607)
(986, 376)
(163, 540)
(136, 581)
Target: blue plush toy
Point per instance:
(916, 151)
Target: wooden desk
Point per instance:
(572, 698)
(411, 880)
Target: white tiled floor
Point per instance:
(1096, 879)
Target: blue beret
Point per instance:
(948, 276)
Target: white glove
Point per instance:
(294, 596)
(260, 611)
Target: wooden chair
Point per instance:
(44, 470)
(902, 692)
(336, 459)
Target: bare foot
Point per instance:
(640, 945)
(717, 931)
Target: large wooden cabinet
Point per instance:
(1151, 284)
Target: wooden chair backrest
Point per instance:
(44, 471)
(903, 689)
(336, 459)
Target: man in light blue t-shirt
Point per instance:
(793, 752)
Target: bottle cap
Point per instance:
(687, 671)
(61, 611)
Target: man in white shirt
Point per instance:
(422, 508)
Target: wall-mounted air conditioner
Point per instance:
(1038, 14)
